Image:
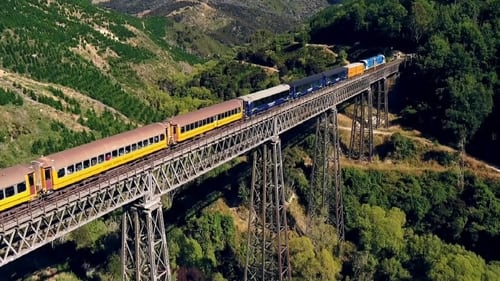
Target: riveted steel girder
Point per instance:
(34, 224)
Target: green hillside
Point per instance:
(228, 21)
(78, 72)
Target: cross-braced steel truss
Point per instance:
(34, 224)
(361, 143)
(382, 99)
(267, 245)
(326, 194)
(144, 243)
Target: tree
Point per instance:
(421, 19)
(88, 235)
(381, 232)
(470, 103)
(307, 264)
(457, 264)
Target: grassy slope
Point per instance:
(100, 59)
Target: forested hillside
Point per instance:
(453, 91)
(72, 72)
(230, 22)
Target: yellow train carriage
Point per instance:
(70, 166)
(198, 122)
(354, 69)
(16, 186)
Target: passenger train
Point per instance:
(25, 182)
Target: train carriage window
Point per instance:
(134, 147)
(31, 181)
(100, 159)
(139, 145)
(151, 140)
(61, 173)
(21, 187)
(86, 164)
(157, 139)
(121, 151)
(108, 156)
(1, 194)
(114, 153)
(70, 169)
(182, 129)
(9, 191)
(93, 161)
(78, 167)
(162, 137)
(145, 143)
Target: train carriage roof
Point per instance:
(84, 152)
(354, 64)
(265, 93)
(14, 175)
(334, 71)
(306, 80)
(205, 112)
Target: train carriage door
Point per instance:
(31, 183)
(37, 166)
(47, 178)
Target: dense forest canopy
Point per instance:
(453, 90)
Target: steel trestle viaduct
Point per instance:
(138, 186)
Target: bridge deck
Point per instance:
(32, 225)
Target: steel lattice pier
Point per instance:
(267, 242)
(325, 195)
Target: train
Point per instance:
(25, 182)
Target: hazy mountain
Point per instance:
(226, 20)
